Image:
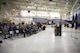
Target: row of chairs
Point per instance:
(25, 32)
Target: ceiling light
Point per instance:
(52, 3)
(13, 9)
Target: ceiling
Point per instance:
(62, 6)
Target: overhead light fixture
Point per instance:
(13, 9)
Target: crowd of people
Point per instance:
(11, 30)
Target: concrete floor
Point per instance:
(44, 42)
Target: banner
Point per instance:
(76, 23)
(73, 21)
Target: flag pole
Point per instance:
(76, 35)
(71, 30)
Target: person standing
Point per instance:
(4, 31)
(60, 28)
(11, 31)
